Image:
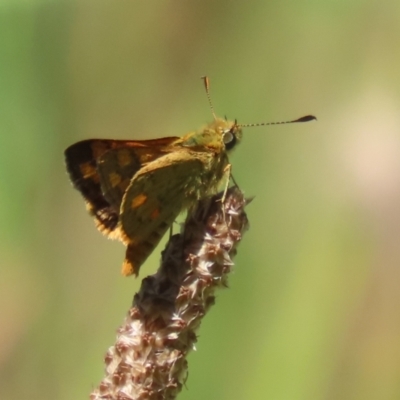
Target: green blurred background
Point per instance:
(313, 311)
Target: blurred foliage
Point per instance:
(312, 312)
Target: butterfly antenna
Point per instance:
(306, 118)
(207, 87)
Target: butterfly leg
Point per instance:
(234, 181)
(228, 172)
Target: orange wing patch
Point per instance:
(138, 201)
(88, 171)
(114, 178)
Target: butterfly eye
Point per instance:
(229, 140)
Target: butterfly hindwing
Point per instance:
(153, 200)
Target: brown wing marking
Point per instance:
(153, 200)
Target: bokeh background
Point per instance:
(313, 308)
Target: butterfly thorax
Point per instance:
(214, 137)
(209, 146)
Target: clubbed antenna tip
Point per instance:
(306, 118)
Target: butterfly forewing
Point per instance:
(94, 173)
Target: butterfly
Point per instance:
(136, 189)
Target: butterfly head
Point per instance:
(229, 132)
